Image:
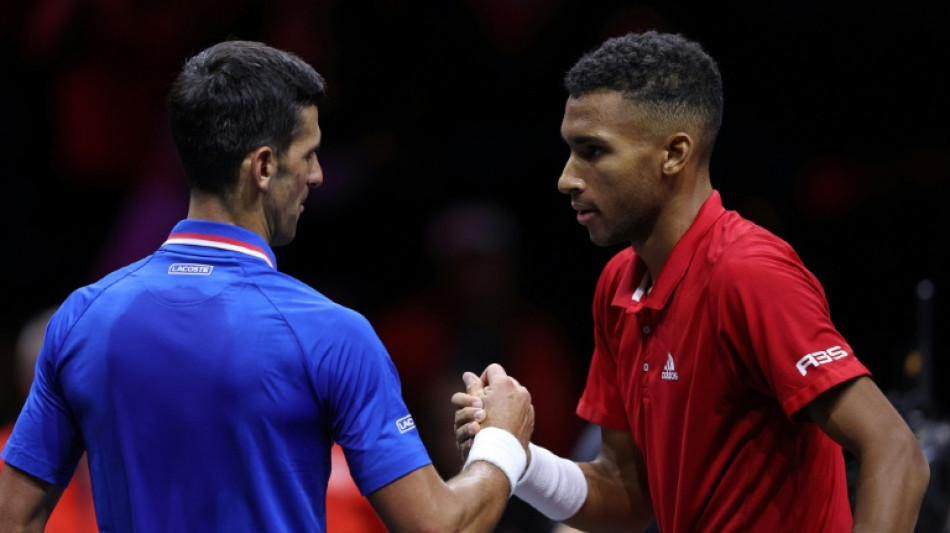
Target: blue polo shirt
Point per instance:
(208, 389)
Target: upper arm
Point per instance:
(25, 501)
(617, 489)
(894, 473)
(791, 351)
(858, 416)
(361, 394)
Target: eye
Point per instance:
(591, 151)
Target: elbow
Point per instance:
(906, 453)
(920, 467)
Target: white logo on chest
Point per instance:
(669, 371)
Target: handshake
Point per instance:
(494, 419)
(497, 409)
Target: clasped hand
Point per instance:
(492, 399)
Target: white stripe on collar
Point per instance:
(222, 246)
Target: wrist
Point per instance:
(553, 485)
(503, 450)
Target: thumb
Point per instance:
(494, 373)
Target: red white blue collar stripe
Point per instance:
(222, 243)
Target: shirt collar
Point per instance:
(223, 237)
(675, 267)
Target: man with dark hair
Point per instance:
(723, 390)
(207, 387)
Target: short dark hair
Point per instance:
(231, 98)
(666, 73)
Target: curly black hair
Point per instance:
(664, 72)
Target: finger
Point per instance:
(466, 433)
(461, 400)
(484, 376)
(494, 373)
(473, 385)
(468, 414)
(464, 448)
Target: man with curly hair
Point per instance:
(723, 390)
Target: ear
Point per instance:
(679, 149)
(263, 166)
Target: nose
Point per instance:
(315, 176)
(569, 182)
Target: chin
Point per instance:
(604, 240)
(282, 239)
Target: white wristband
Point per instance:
(501, 449)
(553, 485)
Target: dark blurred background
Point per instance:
(835, 138)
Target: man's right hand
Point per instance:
(494, 399)
(474, 499)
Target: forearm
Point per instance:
(471, 501)
(890, 487)
(598, 495)
(493, 451)
(610, 504)
(475, 498)
(421, 501)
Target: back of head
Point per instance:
(665, 74)
(234, 97)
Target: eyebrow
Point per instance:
(583, 139)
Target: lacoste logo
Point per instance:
(405, 424)
(669, 371)
(190, 269)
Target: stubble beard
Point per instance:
(632, 228)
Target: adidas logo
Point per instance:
(669, 371)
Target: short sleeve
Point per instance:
(775, 314)
(369, 418)
(46, 442)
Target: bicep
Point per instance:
(894, 473)
(25, 500)
(858, 416)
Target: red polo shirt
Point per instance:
(707, 370)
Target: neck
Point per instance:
(673, 221)
(213, 208)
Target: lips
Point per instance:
(584, 213)
(584, 217)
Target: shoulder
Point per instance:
(308, 311)
(746, 259)
(79, 301)
(738, 246)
